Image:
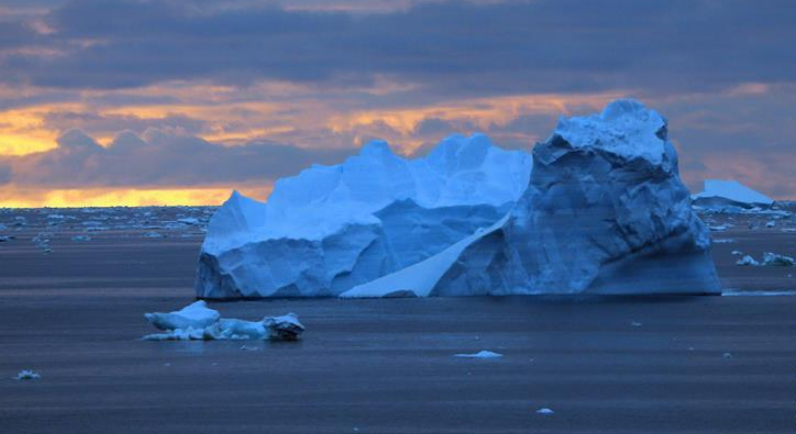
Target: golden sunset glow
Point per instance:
(126, 197)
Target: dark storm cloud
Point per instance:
(156, 159)
(452, 47)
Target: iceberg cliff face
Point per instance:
(334, 227)
(605, 212)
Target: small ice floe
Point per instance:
(771, 224)
(737, 253)
(191, 221)
(727, 355)
(776, 260)
(27, 374)
(5, 238)
(635, 324)
(198, 322)
(153, 235)
(81, 238)
(545, 411)
(719, 228)
(723, 241)
(747, 260)
(480, 355)
(769, 260)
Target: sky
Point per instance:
(135, 102)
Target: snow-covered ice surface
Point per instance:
(728, 195)
(605, 212)
(334, 227)
(198, 322)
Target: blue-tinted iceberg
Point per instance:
(720, 194)
(605, 212)
(332, 228)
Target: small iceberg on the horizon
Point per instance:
(483, 354)
(728, 195)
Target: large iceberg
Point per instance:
(605, 212)
(720, 194)
(335, 227)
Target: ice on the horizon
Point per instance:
(334, 227)
(198, 322)
(605, 212)
(483, 354)
(27, 374)
(729, 195)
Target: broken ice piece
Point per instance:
(480, 355)
(545, 411)
(776, 260)
(198, 322)
(27, 374)
(196, 315)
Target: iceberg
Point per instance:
(605, 212)
(331, 228)
(720, 195)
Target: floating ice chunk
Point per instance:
(81, 238)
(196, 316)
(27, 374)
(153, 235)
(776, 260)
(5, 238)
(480, 355)
(198, 322)
(191, 221)
(748, 260)
(545, 411)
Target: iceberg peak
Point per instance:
(625, 127)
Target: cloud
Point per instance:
(157, 158)
(450, 48)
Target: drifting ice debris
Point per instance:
(27, 374)
(4, 238)
(747, 260)
(480, 355)
(198, 322)
(81, 238)
(196, 315)
(605, 212)
(333, 227)
(728, 195)
(545, 411)
(769, 260)
(775, 260)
